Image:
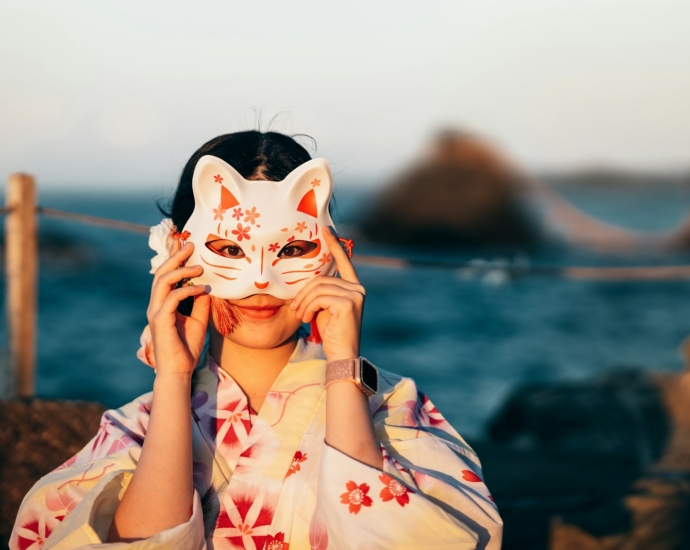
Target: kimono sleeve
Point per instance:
(429, 494)
(73, 506)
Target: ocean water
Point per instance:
(467, 339)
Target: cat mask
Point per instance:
(259, 237)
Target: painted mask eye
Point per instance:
(295, 249)
(226, 248)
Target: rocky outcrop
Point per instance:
(464, 192)
(461, 193)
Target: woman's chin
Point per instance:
(265, 332)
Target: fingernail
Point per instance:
(207, 289)
(292, 304)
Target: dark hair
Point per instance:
(255, 155)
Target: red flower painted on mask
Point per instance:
(356, 496)
(218, 213)
(237, 213)
(241, 232)
(274, 247)
(251, 215)
(301, 226)
(218, 178)
(394, 490)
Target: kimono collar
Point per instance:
(217, 397)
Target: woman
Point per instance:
(271, 456)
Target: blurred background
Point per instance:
(529, 160)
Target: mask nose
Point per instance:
(262, 275)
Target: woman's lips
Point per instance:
(259, 312)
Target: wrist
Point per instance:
(339, 355)
(358, 370)
(171, 381)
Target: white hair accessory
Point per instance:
(161, 241)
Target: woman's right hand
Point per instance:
(177, 339)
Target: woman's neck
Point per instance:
(254, 370)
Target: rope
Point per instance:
(634, 273)
(94, 220)
(652, 273)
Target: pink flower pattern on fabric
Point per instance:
(295, 464)
(276, 478)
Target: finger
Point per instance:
(201, 308)
(345, 267)
(169, 306)
(177, 244)
(167, 282)
(176, 260)
(326, 289)
(336, 305)
(322, 279)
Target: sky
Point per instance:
(121, 93)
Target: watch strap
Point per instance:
(343, 369)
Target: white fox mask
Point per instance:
(259, 237)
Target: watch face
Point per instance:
(369, 376)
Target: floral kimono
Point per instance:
(269, 481)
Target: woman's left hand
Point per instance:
(337, 303)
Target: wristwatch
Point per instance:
(359, 370)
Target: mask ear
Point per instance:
(215, 183)
(309, 187)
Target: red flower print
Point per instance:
(245, 518)
(469, 475)
(301, 226)
(237, 213)
(428, 413)
(218, 213)
(251, 215)
(218, 178)
(325, 258)
(294, 466)
(241, 232)
(274, 247)
(276, 542)
(394, 490)
(33, 534)
(356, 496)
(316, 183)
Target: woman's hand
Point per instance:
(177, 339)
(337, 303)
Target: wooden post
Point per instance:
(21, 262)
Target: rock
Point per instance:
(595, 465)
(621, 412)
(36, 436)
(461, 193)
